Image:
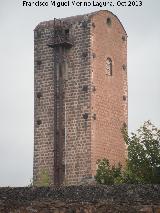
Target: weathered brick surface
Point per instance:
(81, 199)
(107, 100)
(44, 106)
(79, 113)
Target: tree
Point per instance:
(143, 164)
(107, 174)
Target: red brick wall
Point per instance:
(82, 140)
(43, 106)
(74, 148)
(107, 100)
(78, 135)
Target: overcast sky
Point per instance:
(17, 76)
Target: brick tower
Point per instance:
(80, 96)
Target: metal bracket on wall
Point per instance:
(85, 116)
(39, 122)
(93, 88)
(85, 88)
(39, 95)
(39, 62)
(94, 116)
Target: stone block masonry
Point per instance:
(80, 96)
(81, 199)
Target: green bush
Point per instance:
(44, 179)
(143, 163)
(107, 174)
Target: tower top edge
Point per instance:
(75, 19)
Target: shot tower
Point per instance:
(80, 96)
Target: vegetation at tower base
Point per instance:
(143, 163)
(107, 174)
(44, 178)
